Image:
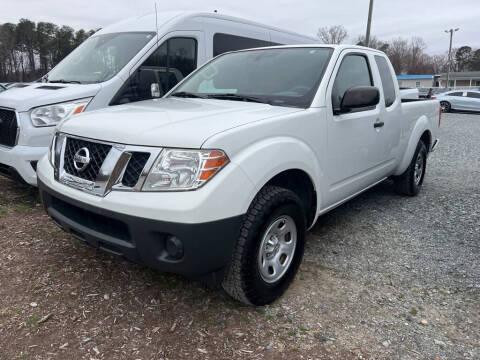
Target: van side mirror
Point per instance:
(155, 90)
(359, 97)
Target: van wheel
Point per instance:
(445, 105)
(410, 182)
(269, 249)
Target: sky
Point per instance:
(391, 18)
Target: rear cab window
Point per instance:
(387, 80)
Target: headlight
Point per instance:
(177, 169)
(51, 115)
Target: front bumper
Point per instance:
(207, 247)
(20, 162)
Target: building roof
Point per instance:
(461, 75)
(414, 77)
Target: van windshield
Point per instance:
(277, 76)
(99, 58)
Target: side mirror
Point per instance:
(155, 90)
(359, 97)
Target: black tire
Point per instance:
(409, 183)
(243, 280)
(446, 107)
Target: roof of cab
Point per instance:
(148, 22)
(331, 46)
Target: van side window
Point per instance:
(170, 63)
(223, 43)
(354, 71)
(387, 81)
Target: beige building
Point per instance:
(459, 79)
(415, 81)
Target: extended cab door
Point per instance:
(355, 149)
(390, 106)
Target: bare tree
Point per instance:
(439, 63)
(397, 52)
(332, 35)
(374, 43)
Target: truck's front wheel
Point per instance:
(270, 247)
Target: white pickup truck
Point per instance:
(221, 179)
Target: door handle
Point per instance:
(378, 124)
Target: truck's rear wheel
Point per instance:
(410, 182)
(445, 105)
(270, 247)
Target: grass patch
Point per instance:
(32, 320)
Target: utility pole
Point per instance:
(451, 31)
(369, 23)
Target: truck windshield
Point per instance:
(99, 58)
(281, 76)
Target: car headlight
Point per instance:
(51, 115)
(177, 169)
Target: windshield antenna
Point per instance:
(156, 20)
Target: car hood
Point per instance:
(170, 122)
(37, 94)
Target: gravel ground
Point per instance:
(384, 277)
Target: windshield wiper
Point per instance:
(62, 81)
(238, 97)
(186, 94)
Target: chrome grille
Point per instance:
(134, 168)
(99, 167)
(8, 128)
(98, 153)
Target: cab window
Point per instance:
(354, 71)
(387, 81)
(170, 63)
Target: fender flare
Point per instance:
(263, 160)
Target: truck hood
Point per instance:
(170, 122)
(38, 94)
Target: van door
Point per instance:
(353, 146)
(176, 57)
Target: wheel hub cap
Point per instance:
(418, 169)
(277, 249)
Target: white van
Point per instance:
(133, 60)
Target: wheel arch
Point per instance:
(285, 162)
(420, 132)
(299, 182)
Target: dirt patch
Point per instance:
(384, 277)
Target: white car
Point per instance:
(129, 61)
(464, 100)
(221, 179)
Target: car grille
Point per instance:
(98, 153)
(8, 128)
(134, 168)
